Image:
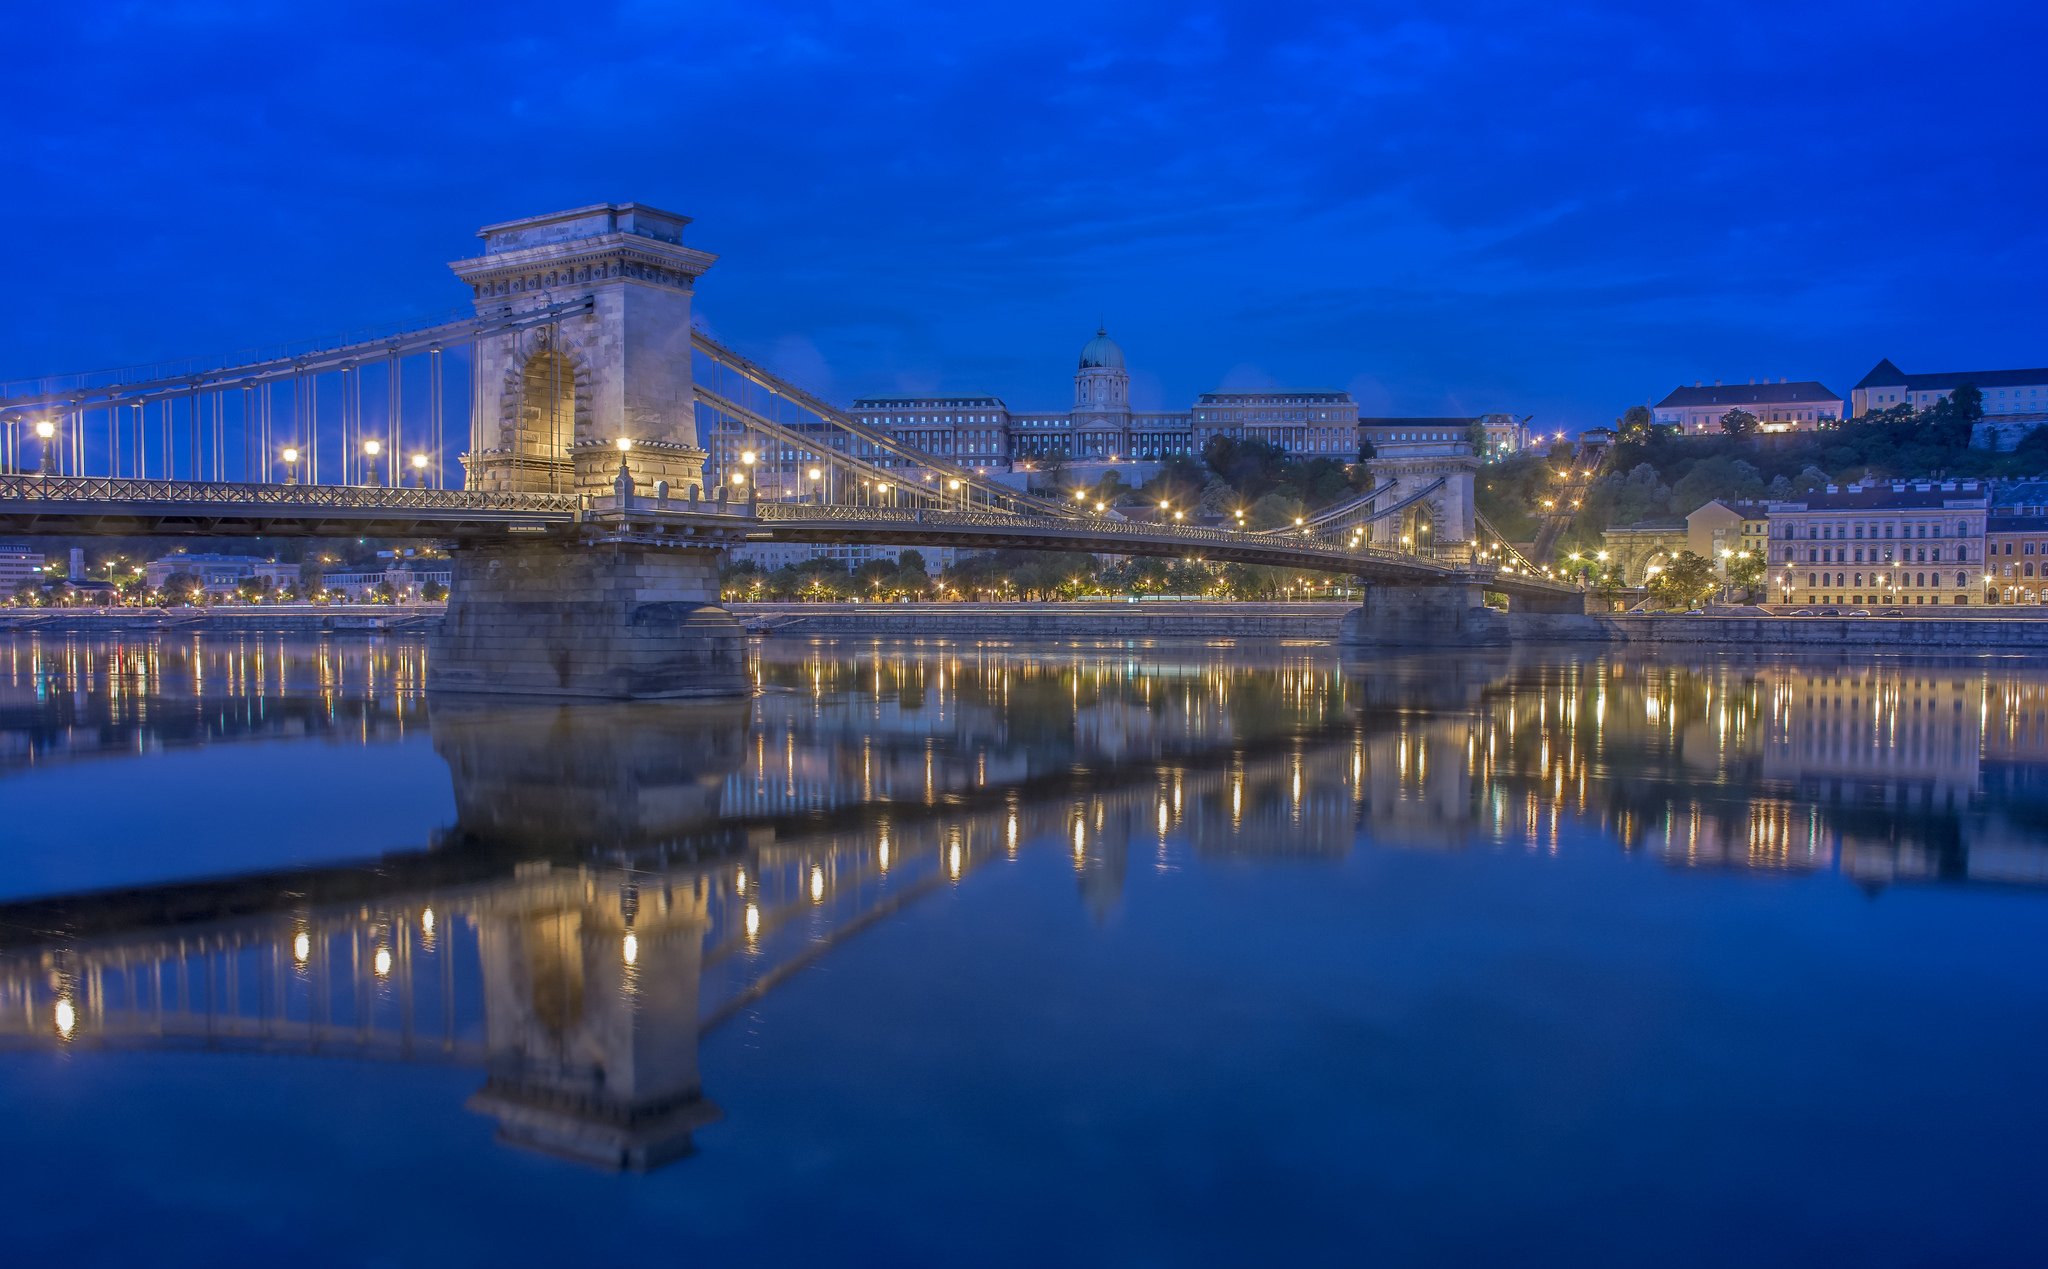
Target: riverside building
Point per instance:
(1892, 545)
(18, 566)
(219, 574)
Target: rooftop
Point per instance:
(1898, 496)
(1887, 375)
(2016, 524)
(1803, 392)
(971, 402)
(2016, 493)
(1272, 395)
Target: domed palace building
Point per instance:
(1102, 428)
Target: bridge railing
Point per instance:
(1078, 527)
(106, 490)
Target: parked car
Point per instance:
(1803, 612)
(1860, 612)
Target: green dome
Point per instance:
(1102, 351)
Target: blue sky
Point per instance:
(1558, 209)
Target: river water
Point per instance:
(986, 954)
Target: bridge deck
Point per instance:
(92, 505)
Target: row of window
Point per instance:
(1839, 555)
(1825, 532)
(1923, 580)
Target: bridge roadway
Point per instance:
(73, 505)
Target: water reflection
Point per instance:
(621, 880)
(66, 697)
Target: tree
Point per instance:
(383, 592)
(1746, 571)
(1475, 436)
(1054, 467)
(911, 579)
(252, 590)
(434, 592)
(179, 588)
(1637, 423)
(1952, 421)
(1684, 582)
(1717, 477)
(28, 594)
(1738, 422)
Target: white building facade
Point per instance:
(1889, 545)
(18, 564)
(219, 574)
(1784, 406)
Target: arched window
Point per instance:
(1962, 579)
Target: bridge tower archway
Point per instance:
(544, 410)
(596, 351)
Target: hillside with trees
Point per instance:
(1655, 472)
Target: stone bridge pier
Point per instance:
(1455, 615)
(596, 620)
(1424, 616)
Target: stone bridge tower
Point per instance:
(554, 400)
(603, 612)
(1446, 517)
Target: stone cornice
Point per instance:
(585, 261)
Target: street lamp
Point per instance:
(291, 464)
(419, 469)
(46, 431)
(371, 449)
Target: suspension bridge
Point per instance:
(612, 452)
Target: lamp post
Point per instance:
(419, 470)
(46, 433)
(291, 464)
(745, 476)
(371, 449)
